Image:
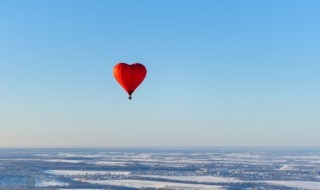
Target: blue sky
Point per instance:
(220, 73)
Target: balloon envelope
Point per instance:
(129, 76)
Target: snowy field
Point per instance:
(154, 184)
(297, 184)
(98, 169)
(54, 183)
(112, 163)
(81, 172)
(207, 179)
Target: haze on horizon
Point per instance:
(220, 73)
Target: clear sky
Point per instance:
(220, 73)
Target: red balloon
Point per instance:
(129, 76)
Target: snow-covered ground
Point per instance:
(161, 169)
(180, 161)
(286, 167)
(81, 172)
(111, 163)
(297, 184)
(65, 161)
(43, 160)
(243, 155)
(304, 157)
(44, 183)
(153, 184)
(207, 179)
(68, 155)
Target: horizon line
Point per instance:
(161, 147)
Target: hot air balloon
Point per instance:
(129, 76)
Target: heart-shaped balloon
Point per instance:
(129, 76)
